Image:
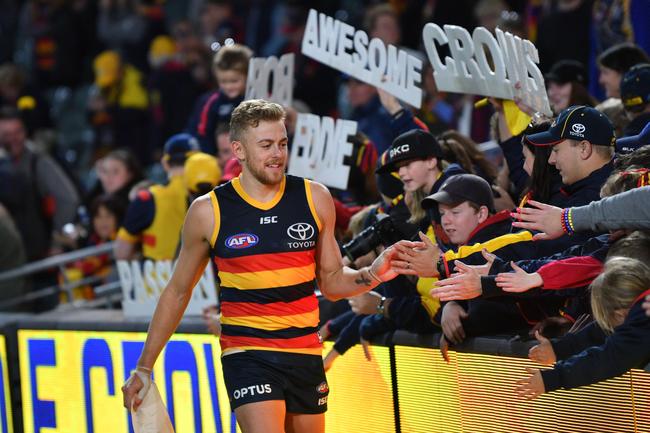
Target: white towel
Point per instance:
(152, 416)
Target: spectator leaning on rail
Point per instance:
(154, 219)
(466, 205)
(582, 141)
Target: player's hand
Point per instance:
(532, 386)
(451, 323)
(543, 352)
(418, 261)
(542, 217)
(387, 265)
(518, 281)
(135, 388)
(365, 303)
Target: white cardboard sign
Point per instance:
(319, 146)
(468, 70)
(143, 282)
(260, 71)
(340, 46)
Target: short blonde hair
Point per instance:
(622, 281)
(250, 113)
(232, 58)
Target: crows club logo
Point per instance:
(301, 231)
(323, 388)
(242, 240)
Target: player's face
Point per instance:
(264, 152)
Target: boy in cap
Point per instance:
(583, 141)
(465, 204)
(154, 219)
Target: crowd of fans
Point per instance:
(115, 114)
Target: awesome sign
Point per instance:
(504, 66)
(351, 51)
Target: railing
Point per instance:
(105, 293)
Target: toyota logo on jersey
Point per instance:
(301, 231)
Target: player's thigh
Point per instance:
(262, 417)
(304, 423)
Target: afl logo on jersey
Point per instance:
(241, 241)
(301, 231)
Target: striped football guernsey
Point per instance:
(264, 255)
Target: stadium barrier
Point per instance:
(64, 372)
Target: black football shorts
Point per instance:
(257, 375)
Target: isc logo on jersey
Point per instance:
(242, 240)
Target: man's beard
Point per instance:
(262, 177)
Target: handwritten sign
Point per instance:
(320, 145)
(469, 69)
(340, 46)
(271, 78)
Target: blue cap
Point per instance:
(179, 146)
(633, 142)
(578, 122)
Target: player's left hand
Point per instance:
(532, 386)
(386, 266)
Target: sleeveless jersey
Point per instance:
(264, 256)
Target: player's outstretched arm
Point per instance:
(176, 295)
(335, 280)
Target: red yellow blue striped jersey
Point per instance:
(265, 265)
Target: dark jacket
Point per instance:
(211, 109)
(628, 347)
(374, 121)
(636, 125)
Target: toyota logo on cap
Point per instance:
(578, 128)
(301, 231)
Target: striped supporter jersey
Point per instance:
(264, 255)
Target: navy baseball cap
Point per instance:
(635, 86)
(460, 188)
(578, 122)
(633, 142)
(413, 144)
(179, 147)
